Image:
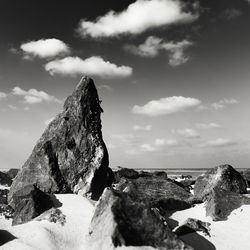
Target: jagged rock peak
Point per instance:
(71, 155)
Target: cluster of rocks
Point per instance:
(133, 208)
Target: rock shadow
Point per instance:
(5, 237)
(195, 240)
(55, 201)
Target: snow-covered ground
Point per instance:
(232, 234)
(44, 235)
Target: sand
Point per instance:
(44, 235)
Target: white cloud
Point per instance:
(45, 48)
(142, 128)
(137, 18)
(210, 125)
(166, 106)
(33, 96)
(148, 148)
(219, 142)
(186, 132)
(223, 103)
(2, 95)
(94, 65)
(153, 45)
(105, 87)
(165, 142)
(12, 107)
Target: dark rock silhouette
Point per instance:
(29, 203)
(224, 178)
(219, 205)
(5, 237)
(3, 196)
(122, 219)
(12, 172)
(126, 173)
(71, 155)
(5, 179)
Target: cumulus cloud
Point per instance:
(210, 125)
(223, 103)
(138, 17)
(33, 96)
(186, 132)
(94, 65)
(166, 106)
(2, 95)
(147, 147)
(231, 14)
(153, 45)
(142, 128)
(44, 48)
(219, 142)
(166, 142)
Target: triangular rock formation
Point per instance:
(71, 155)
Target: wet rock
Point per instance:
(224, 178)
(71, 155)
(219, 205)
(121, 219)
(29, 203)
(127, 173)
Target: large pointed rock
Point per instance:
(71, 155)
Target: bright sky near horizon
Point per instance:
(174, 77)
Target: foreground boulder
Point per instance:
(5, 180)
(223, 178)
(71, 155)
(12, 172)
(121, 219)
(29, 203)
(219, 205)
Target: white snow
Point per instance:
(44, 235)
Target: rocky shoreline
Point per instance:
(133, 209)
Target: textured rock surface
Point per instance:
(191, 225)
(126, 173)
(121, 219)
(223, 177)
(220, 204)
(70, 156)
(12, 172)
(160, 191)
(3, 196)
(29, 203)
(5, 179)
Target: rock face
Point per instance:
(5, 179)
(219, 204)
(224, 178)
(121, 219)
(29, 203)
(71, 155)
(126, 173)
(12, 172)
(160, 191)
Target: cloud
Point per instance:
(44, 48)
(210, 125)
(94, 65)
(138, 17)
(187, 132)
(142, 128)
(153, 45)
(105, 87)
(219, 142)
(33, 96)
(231, 14)
(165, 142)
(147, 148)
(166, 106)
(223, 103)
(2, 95)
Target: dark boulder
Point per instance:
(127, 173)
(219, 205)
(121, 219)
(193, 225)
(3, 196)
(71, 155)
(29, 202)
(159, 191)
(223, 177)
(188, 184)
(5, 180)
(12, 172)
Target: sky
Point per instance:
(173, 77)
